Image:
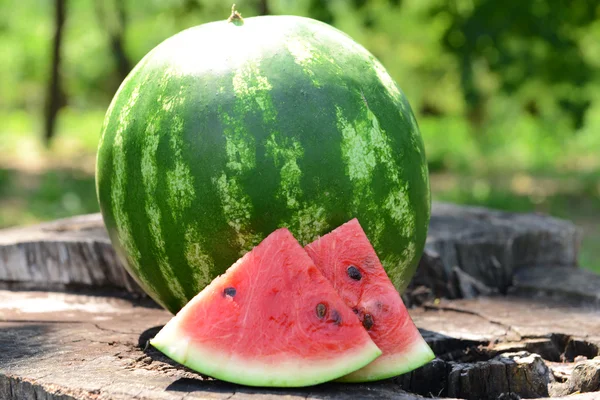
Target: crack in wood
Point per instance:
(507, 327)
(230, 396)
(111, 330)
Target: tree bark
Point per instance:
(55, 99)
(115, 27)
(470, 251)
(263, 7)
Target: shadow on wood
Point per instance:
(24, 340)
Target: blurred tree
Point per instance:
(263, 7)
(115, 22)
(320, 10)
(55, 99)
(521, 42)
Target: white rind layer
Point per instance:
(390, 365)
(259, 372)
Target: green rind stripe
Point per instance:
(119, 185)
(149, 170)
(381, 156)
(173, 188)
(250, 89)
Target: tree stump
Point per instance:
(498, 297)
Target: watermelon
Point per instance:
(232, 129)
(350, 263)
(271, 320)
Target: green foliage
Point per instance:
(522, 43)
(501, 89)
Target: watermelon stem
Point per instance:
(235, 17)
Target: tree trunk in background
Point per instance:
(117, 41)
(263, 7)
(115, 27)
(55, 96)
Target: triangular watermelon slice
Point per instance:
(271, 320)
(346, 257)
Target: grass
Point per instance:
(22, 148)
(40, 183)
(30, 197)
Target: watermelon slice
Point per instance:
(271, 320)
(345, 256)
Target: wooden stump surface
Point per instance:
(469, 250)
(74, 325)
(79, 346)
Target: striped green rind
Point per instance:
(225, 132)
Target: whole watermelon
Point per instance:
(229, 130)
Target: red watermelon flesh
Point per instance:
(346, 257)
(271, 320)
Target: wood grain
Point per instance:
(73, 346)
(469, 251)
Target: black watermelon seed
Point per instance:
(230, 291)
(354, 273)
(321, 310)
(336, 317)
(368, 321)
(355, 310)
